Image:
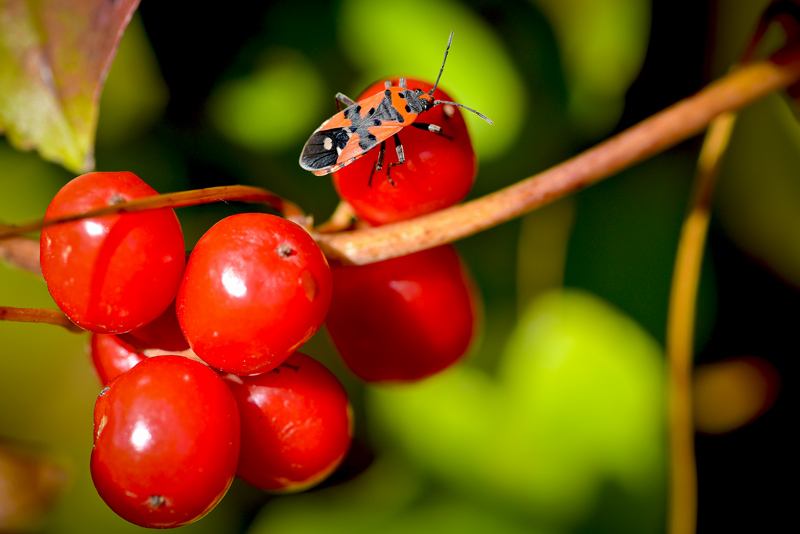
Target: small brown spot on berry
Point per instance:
(285, 250)
(116, 198)
(156, 501)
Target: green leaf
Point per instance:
(135, 95)
(478, 65)
(54, 57)
(244, 109)
(387, 498)
(603, 45)
(759, 190)
(571, 432)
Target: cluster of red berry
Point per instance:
(409, 317)
(171, 432)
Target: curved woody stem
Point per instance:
(682, 507)
(38, 315)
(651, 136)
(241, 193)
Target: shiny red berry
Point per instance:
(296, 424)
(166, 442)
(403, 319)
(164, 333)
(115, 273)
(438, 172)
(256, 288)
(111, 356)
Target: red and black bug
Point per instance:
(363, 125)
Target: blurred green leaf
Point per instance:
(542, 255)
(478, 66)
(387, 498)
(603, 45)
(759, 188)
(27, 185)
(362, 505)
(253, 111)
(573, 428)
(54, 57)
(135, 94)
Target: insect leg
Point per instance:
(401, 157)
(343, 99)
(378, 164)
(431, 128)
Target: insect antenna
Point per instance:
(449, 41)
(481, 115)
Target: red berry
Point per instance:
(166, 442)
(115, 273)
(296, 424)
(163, 333)
(256, 288)
(438, 171)
(405, 318)
(112, 356)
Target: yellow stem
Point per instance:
(682, 513)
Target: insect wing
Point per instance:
(319, 151)
(350, 134)
(360, 146)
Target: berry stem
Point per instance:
(680, 329)
(342, 219)
(22, 252)
(643, 140)
(38, 315)
(242, 193)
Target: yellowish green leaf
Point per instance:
(54, 57)
(603, 44)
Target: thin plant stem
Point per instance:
(182, 199)
(38, 315)
(22, 252)
(643, 140)
(682, 507)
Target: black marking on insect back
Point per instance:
(353, 113)
(386, 111)
(415, 103)
(376, 116)
(323, 148)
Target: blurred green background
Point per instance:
(555, 422)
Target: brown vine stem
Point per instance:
(680, 329)
(38, 315)
(651, 136)
(182, 199)
(22, 252)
